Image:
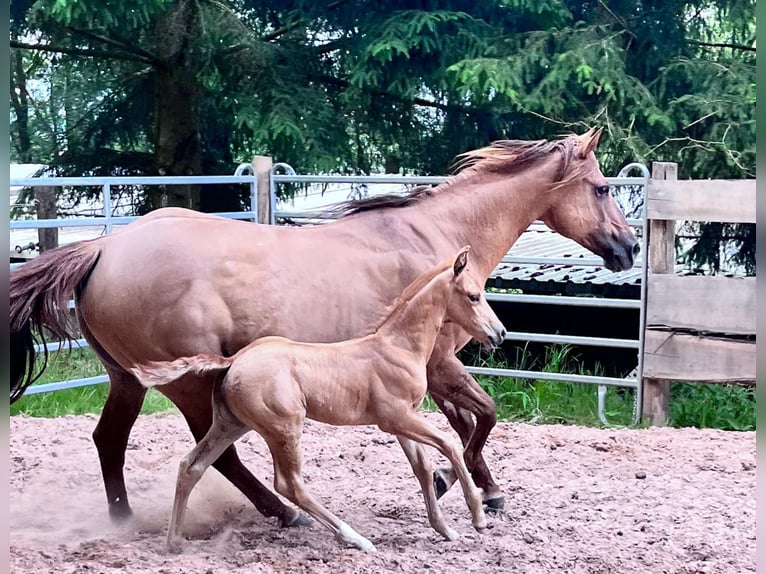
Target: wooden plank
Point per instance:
(716, 304)
(679, 357)
(724, 200)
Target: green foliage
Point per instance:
(727, 407)
(356, 85)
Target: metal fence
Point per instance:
(245, 175)
(633, 382)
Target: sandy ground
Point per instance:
(575, 503)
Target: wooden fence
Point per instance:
(698, 328)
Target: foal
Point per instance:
(273, 384)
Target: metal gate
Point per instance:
(107, 221)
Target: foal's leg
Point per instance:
(422, 467)
(126, 395)
(197, 410)
(415, 427)
(450, 384)
(284, 442)
(222, 433)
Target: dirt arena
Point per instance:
(578, 500)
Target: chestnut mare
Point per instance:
(274, 383)
(178, 283)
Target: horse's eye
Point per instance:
(474, 298)
(602, 190)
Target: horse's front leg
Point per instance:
(422, 468)
(458, 395)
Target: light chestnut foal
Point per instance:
(274, 383)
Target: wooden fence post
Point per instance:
(262, 168)
(45, 200)
(662, 259)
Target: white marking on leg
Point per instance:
(351, 537)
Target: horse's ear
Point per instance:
(589, 141)
(461, 260)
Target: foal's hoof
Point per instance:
(295, 520)
(175, 545)
(450, 534)
(495, 504)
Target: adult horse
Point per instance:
(177, 283)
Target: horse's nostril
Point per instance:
(636, 249)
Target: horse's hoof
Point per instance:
(296, 520)
(496, 504)
(120, 513)
(443, 481)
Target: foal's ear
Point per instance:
(589, 141)
(461, 260)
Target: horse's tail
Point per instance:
(155, 373)
(39, 297)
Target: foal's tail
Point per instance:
(156, 373)
(39, 296)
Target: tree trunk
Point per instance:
(177, 144)
(20, 104)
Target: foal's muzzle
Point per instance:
(495, 337)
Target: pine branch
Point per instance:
(722, 45)
(120, 45)
(81, 52)
(290, 27)
(418, 101)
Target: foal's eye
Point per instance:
(602, 190)
(474, 298)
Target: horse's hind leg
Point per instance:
(422, 468)
(285, 450)
(224, 430)
(126, 395)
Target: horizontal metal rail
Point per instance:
(100, 221)
(129, 180)
(70, 384)
(565, 300)
(572, 340)
(61, 346)
(563, 377)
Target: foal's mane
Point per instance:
(409, 293)
(502, 156)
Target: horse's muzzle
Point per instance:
(621, 252)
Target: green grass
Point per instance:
(536, 401)
(80, 363)
(540, 401)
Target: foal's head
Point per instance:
(468, 307)
(583, 209)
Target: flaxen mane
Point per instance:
(502, 156)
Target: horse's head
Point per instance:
(469, 308)
(584, 210)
